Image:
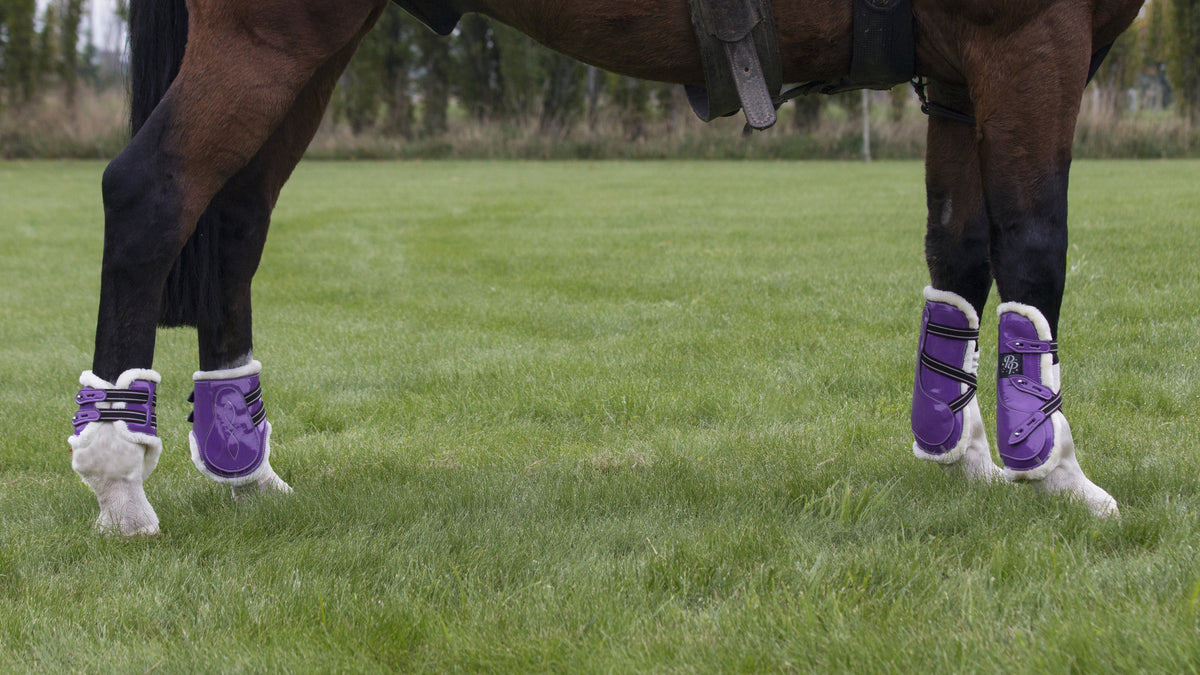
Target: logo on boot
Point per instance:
(1010, 364)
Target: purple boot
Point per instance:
(116, 447)
(231, 438)
(946, 422)
(1032, 432)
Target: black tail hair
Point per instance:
(158, 33)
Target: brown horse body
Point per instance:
(212, 151)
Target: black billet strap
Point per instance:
(934, 109)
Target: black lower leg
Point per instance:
(956, 239)
(1029, 241)
(143, 234)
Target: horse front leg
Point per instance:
(946, 422)
(1025, 152)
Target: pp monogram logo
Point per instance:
(1010, 365)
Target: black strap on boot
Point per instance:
(742, 67)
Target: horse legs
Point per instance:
(946, 421)
(1025, 154)
(234, 88)
(235, 225)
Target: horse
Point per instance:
(227, 95)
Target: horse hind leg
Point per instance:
(233, 231)
(947, 424)
(232, 91)
(1025, 152)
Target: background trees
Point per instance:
(408, 84)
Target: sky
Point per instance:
(106, 32)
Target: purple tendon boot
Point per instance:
(946, 421)
(1032, 432)
(231, 437)
(115, 447)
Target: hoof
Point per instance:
(1067, 479)
(267, 483)
(124, 510)
(974, 460)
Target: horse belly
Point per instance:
(648, 40)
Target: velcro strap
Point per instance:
(89, 395)
(948, 370)
(258, 415)
(87, 415)
(951, 332)
(956, 374)
(1037, 419)
(1023, 346)
(254, 396)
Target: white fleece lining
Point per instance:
(956, 301)
(1050, 378)
(251, 368)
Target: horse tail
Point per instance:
(158, 31)
(158, 34)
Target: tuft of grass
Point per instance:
(600, 417)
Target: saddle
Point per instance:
(742, 66)
(739, 47)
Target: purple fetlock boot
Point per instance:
(231, 438)
(115, 447)
(946, 422)
(1032, 432)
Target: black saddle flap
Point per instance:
(433, 13)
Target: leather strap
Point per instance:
(742, 67)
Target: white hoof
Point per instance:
(1066, 477)
(972, 459)
(113, 464)
(125, 510)
(266, 482)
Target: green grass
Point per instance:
(603, 417)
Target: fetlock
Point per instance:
(946, 423)
(231, 437)
(115, 447)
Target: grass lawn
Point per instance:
(604, 417)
